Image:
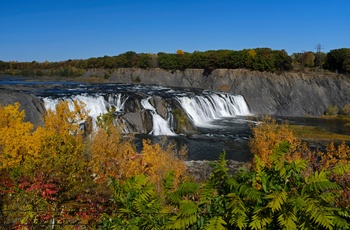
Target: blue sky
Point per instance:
(78, 29)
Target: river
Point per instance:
(221, 120)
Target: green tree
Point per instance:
(338, 60)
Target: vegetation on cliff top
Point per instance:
(259, 59)
(60, 177)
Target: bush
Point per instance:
(332, 110)
(346, 109)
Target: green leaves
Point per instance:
(277, 200)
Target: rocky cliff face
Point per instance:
(287, 94)
(32, 105)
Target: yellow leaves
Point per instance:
(66, 118)
(179, 52)
(14, 133)
(60, 146)
(269, 134)
(112, 155)
(251, 53)
(158, 161)
(335, 156)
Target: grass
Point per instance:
(336, 117)
(317, 133)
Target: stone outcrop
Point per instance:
(286, 94)
(32, 105)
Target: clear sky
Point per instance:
(58, 30)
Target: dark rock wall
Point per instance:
(32, 105)
(287, 94)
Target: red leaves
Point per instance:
(43, 186)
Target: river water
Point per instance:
(222, 120)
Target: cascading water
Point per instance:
(160, 125)
(214, 114)
(94, 105)
(205, 108)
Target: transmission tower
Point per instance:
(318, 62)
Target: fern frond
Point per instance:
(340, 223)
(186, 188)
(287, 220)
(216, 222)
(220, 170)
(341, 169)
(320, 215)
(278, 153)
(318, 182)
(186, 217)
(300, 165)
(168, 181)
(260, 219)
(238, 211)
(249, 193)
(277, 200)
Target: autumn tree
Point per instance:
(268, 134)
(51, 180)
(14, 134)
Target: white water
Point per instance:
(94, 105)
(204, 109)
(160, 125)
(201, 109)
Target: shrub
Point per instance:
(346, 109)
(332, 110)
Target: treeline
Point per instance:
(60, 177)
(259, 59)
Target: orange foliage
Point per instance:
(158, 161)
(112, 155)
(268, 134)
(334, 156)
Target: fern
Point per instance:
(322, 216)
(185, 189)
(287, 220)
(216, 223)
(318, 182)
(341, 169)
(260, 219)
(238, 211)
(249, 193)
(278, 153)
(277, 200)
(186, 217)
(220, 170)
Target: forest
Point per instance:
(259, 59)
(58, 176)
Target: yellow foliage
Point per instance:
(14, 136)
(60, 146)
(158, 161)
(334, 156)
(179, 52)
(268, 134)
(66, 118)
(112, 155)
(252, 53)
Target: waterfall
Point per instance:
(160, 125)
(206, 108)
(94, 105)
